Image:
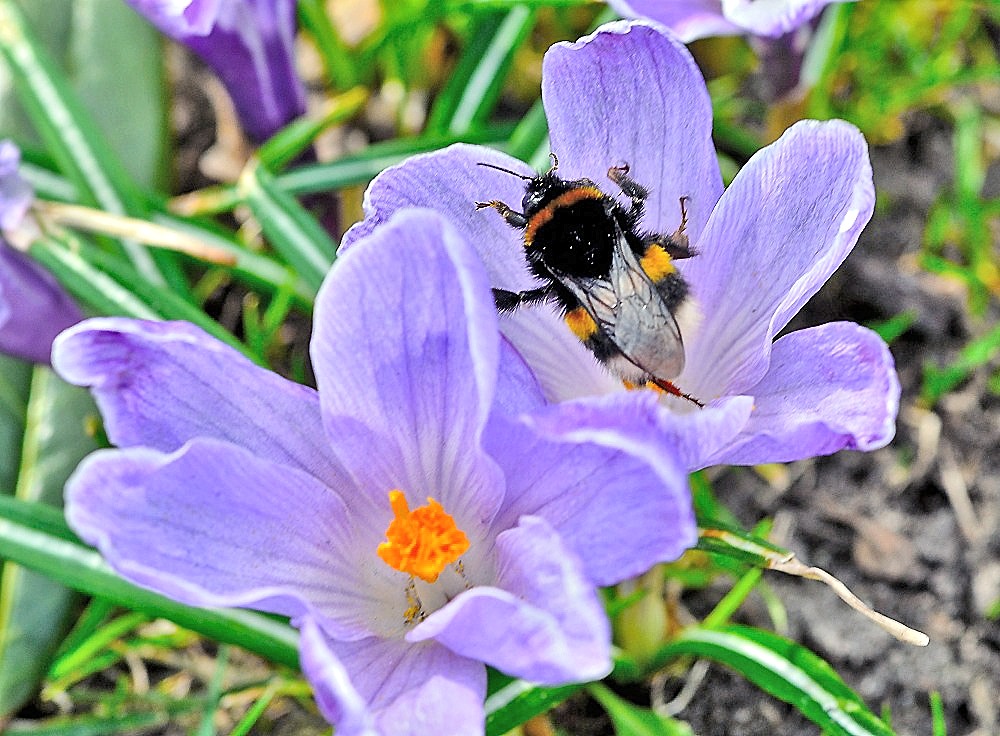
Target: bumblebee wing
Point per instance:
(631, 312)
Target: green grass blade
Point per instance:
(344, 172)
(293, 232)
(297, 136)
(253, 269)
(787, 671)
(630, 719)
(518, 701)
(474, 86)
(91, 286)
(83, 569)
(34, 609)
(340, 64)
(94, 725)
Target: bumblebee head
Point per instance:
(540, 189)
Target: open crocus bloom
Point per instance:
(412, 516)
(250, 44)
(630, 93)
(694, 19)
(34, 308)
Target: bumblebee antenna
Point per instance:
(506, 171)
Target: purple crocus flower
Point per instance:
(632, 93)
(34, 308)
(690, 20)
(251, 46)
(410, 516)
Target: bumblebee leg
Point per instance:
(632, 189)
(629, 186)
(684, 218)
(669, 388)
(508, 301)
(514, 219)
(677, 244)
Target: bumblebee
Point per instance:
(616, 284)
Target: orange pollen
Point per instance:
(422, 542)
(657, 263)
(566, 199)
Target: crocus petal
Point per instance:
(406, 382)
(34, 308)
(180, 17)
(160, 384)
(517, 390)
(338, 700)
(564, 367)
(544, 621)
(787, 221)
(451, 181)
(694, 19)
(631, 93)
(192, 525)
(772, 18)
(250, 46)
(598, 473)
(686, 19)
(390, 687)
(828, 387)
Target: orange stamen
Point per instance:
(422, 542)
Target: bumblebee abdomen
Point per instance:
(660, 267)
(582, 324)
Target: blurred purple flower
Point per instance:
(690, 20)
(251, 46)
(632, 93)
(238, 487)
(16, 194)
(34, 308)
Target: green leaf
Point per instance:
(734, 543)
(91, 286)
(939, 726)
(256, 270)
(344, 172)
(518, 701)
(787, 671)
(35, 610)
(163, 301)
(293, 232)
(939, 381)
(893, 328)
(15, 380)
(340, 64)
(630, 719)
(474, 86)
(108, 36)
(83, 569)
(112, 725)
(298, 135)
